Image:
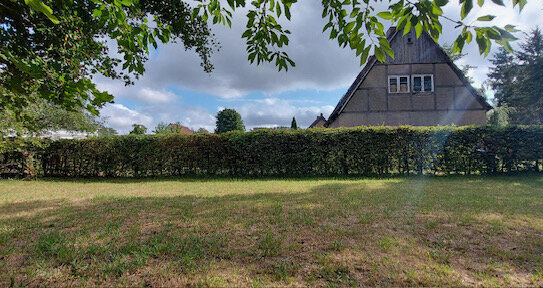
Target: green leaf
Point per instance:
(365, 55)
(486, 18)
(407, 27)
(481, 42)
(287, 12)
(349, 27)
(39, 6)
(385, 15)
(418, 29)
(97, 13)
(380, 54)
(466, 8)
(441, 3)
(511, 28)
(499, 2)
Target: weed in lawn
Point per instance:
(336, 275)
(283, 269)
(53, 245)
(387, 242)
(337, 245)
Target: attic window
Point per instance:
(398, 84)
(423, 83)
(409, 39)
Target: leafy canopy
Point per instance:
(356, 24)
(42, 117)
(229, 120)
(138, 129)
(52, 49)
(172, 128)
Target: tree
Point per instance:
(516, 80)
(43, 117)
(502, 76)
(53, 54)
(355, 24)
(229, 120)
(201, 131)
(171, 128)
(530, 89)
(138, 129)
(499, 116)
(293, 124)
(50, 49)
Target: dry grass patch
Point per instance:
(300, 232)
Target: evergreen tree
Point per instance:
(516, 80)
(530, 88)
(229, 120)
(293, 125)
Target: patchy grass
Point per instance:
(447, 231)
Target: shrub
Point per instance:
(340, 152)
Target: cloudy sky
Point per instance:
(174, 87)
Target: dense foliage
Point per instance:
(353, 151)
(53, 54)
(138, 129)
(228, 120)
(516, 80)
(359, 24)
(172, 128)
(42, 117)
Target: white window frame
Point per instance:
(397, 77)
(422, 82)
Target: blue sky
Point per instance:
(174, 88)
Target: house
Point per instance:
(421, 86)
(178, 128)
(319, 122)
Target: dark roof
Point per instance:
(391, 34)
(319, 119)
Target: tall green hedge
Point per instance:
(352, 151)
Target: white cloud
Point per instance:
(121, 117)
(320, 65)
(151, 96)
(273, 112)
(138, 92)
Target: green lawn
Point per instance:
(298, 232)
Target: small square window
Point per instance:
(423, 83)
(398, 84)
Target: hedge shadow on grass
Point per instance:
(400, 232)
